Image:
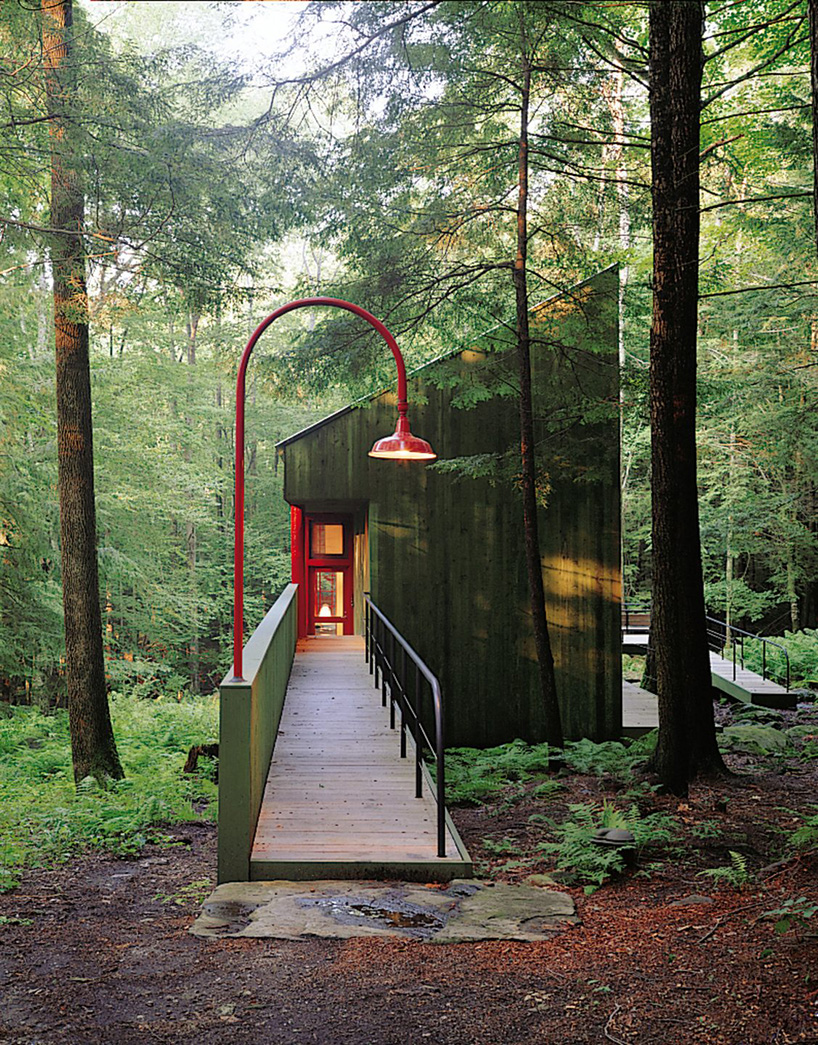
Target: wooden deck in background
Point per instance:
(640, 710)
(747, 686)
(340, 801)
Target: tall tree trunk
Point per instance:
(729, 557)
(92, 740)
(194, 657)
(542, 643)
(812, 7)
(687, 739)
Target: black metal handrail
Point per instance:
(721, 637)
(383, 641)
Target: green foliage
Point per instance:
(633, 667)
(194, 892)
(706, 829)
(794, 913)
(735, 874)
(548, 789)
(501, 846)
(575, 851)
(802, 647)
(805, 836)
(610, 756)
(45, 819)
(476, 774)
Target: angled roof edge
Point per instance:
(432, 362)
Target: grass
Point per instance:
(45, 820)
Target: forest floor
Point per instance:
(98, 951)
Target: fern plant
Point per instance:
(805, 836)
(474, 775)
(44, 818)
(736, 874)
(576, 852)
(610, 756)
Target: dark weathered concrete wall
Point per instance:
(446, 553)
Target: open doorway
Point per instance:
(329, 579)
(330, 564)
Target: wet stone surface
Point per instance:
(390, 911)
(465, 910)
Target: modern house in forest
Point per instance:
(439, 547)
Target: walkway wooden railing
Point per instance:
(250, 712)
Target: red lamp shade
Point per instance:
(402, 445)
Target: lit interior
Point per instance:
(328, 596)
(326, 539)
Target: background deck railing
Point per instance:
(726, 640)
(249, 715)
(401, 670)
(729, 642)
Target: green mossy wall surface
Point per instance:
(446, 552)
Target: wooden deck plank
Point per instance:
(640, 710)
(338, 793)
(747, 685)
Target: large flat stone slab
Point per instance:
(466, 910)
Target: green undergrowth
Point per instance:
(477, 775)
(802, 647)
(575, 853)
(44, 819)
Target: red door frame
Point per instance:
(303, 564)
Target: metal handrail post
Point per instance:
(398, 691)
(441, 779)
(391, 681)
(384, 664)
(403, 706)
(418, 750)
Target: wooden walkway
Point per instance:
(640, 710)
(340, 801)
(748, 687)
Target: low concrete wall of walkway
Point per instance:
(249, 713)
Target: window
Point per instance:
(326, 540)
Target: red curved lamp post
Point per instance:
(401, 445)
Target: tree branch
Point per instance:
(756, 68)
(755, 199)
(768, 286)
(323, 73)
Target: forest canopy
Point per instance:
(371, 152)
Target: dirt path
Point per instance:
(107, 960)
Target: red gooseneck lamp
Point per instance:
(400, 446)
